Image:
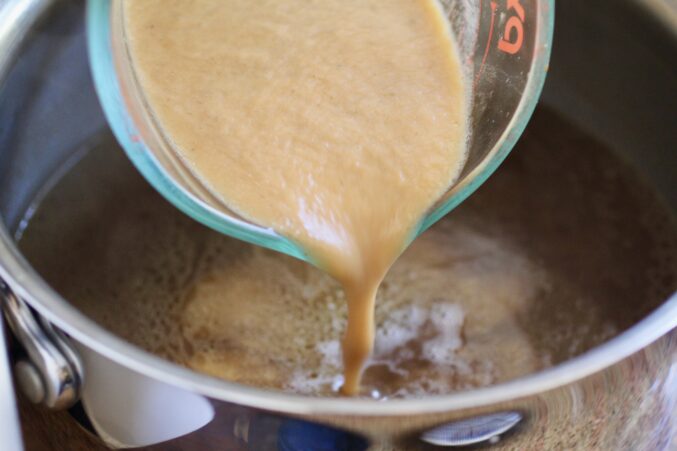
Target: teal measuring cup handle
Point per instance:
(101, 56)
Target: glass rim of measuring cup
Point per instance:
(114, 96)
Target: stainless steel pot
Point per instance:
(614, 72)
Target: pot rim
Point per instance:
(27, 284)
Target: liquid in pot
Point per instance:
(562, 249)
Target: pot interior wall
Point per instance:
(48, 110)
(614, 74)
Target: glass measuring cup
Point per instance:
(505, 45)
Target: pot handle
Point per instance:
(51, 373)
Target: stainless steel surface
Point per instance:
(65, 347)
(472, 431)
(58, 380)
(30, 382)
(17, 18)
(10, 430)
(613, 71)
(664, 11)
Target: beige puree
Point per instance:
(337, 123)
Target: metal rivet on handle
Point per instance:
(472, 431)
(29, 381)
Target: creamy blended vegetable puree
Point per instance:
(337, 123)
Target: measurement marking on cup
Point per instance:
(516, 24)
(513, 33)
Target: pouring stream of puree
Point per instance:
(337, 123)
